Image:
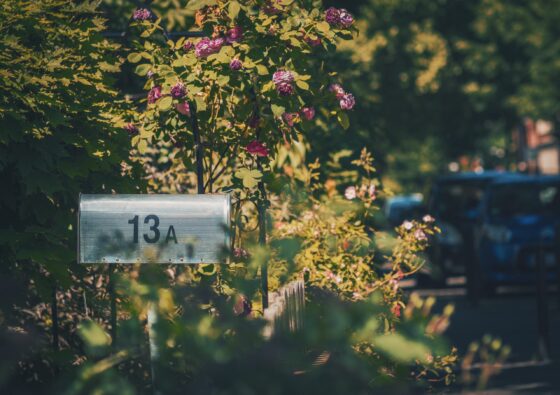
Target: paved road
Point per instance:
(512, 316)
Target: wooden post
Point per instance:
(542, 306)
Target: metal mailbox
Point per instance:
(153, 228)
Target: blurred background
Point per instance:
(459, 103)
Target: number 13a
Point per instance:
(155, 234)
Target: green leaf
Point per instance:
(401, 349)
(302, 85)
(278, 110)
(142, 69)
(250, 178)
(262, 70)
(195, 5)
(165, 103)
(343, 120)
(200, 103)
(323, 27)
(134, 57)
(223, 57)
(182, 61)
(223, 80)
(233, 9)
(268, 86)
(94, 337)
(142, 146)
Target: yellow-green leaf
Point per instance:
(233, 9)
(95, 338)
(142, 146)
(278, 110)
(262, 70)
(323, 27)
(302, 85)
(142, 69)
(165, 103)
(134, 57)
(343, 120)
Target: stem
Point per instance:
(199, 150)
(215, 177)
(261, 206)
(54, 313)
(262, 238)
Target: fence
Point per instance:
(286, 309)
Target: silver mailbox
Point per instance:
(153, 228)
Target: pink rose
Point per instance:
(178, 90)
(340, 18)
(313, 42)
(235, 65)
(234, 35)
(308, 113)
(345, 18)
(338, 90)
(183, 108)
(141, 14)
(207, 47)
(188, 45)
(420, 235)
(350, 193)
(371, 192)
(332, 16)
(240, 253)
(396, 310)
(283, 81)
(131, 129)
(428, 219)
(257, 148)
(289, 118)
(154, 94)
(347, 102)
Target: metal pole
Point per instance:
(542, 307)
(54, 313)
(113, 311)
(154, 352)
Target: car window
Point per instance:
(458, 198)
(509, 200)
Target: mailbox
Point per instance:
(180, 229)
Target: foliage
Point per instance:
(237, 107)
(446, 79)
(356, 320)
(232, 107)
(57, 139)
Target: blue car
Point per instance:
(520, 215)
(455, 202)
